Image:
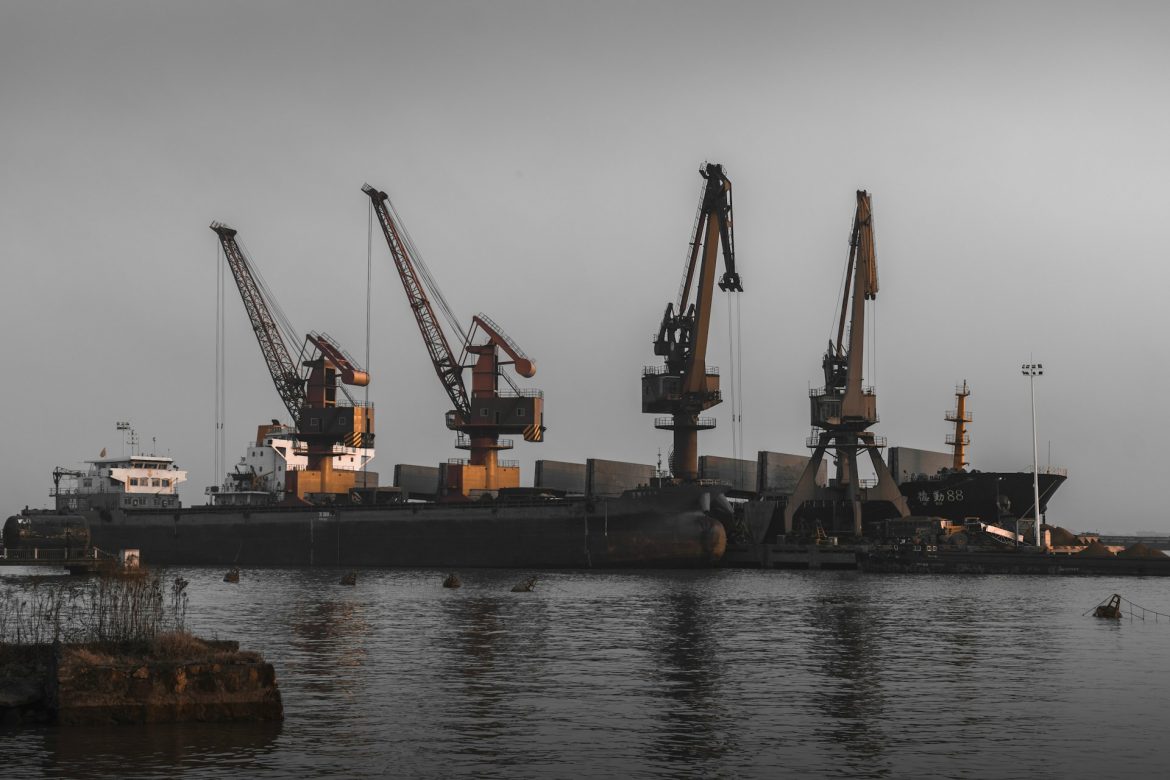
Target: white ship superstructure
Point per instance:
(126, 482)
(261, 475)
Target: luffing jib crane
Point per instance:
(481, 417)
(322, 418)
(845, 408)
(685, 386)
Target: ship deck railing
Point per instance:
(521, 393)
(817, 392)
(659, 369)
(1055, 471)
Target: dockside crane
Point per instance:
(844, 409)
(322, 417)
(482, 416)
(685, 385)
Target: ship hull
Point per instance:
(991, 497)
(654, 528)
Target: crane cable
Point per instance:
(731, 351)
(425, 272)
(365, 444)
(219, 453)
(739, 368)
(735, 348)
(290, 334)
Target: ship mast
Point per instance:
(959, 440)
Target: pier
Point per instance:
(86, 560)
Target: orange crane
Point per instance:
(323, 419)
(845, 408)
(685, 385)
(481, 417)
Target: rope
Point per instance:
(1131, 610)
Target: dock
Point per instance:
(86, 560)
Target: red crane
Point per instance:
(322, 418)
(487, 412)
(685, 386)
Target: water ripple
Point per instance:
(661, 674)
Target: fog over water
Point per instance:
(544, 157)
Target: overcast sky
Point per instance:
(545, 156)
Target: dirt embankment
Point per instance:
(174, 677)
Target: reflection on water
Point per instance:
(693, 723)
(846, 628)
(660, 674)
(330, 637)
(112, 751)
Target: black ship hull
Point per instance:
(988, 496)
(991, 497)
(665, 527)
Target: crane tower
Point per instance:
(481, 417)
(324, 415)
(844, 409)
(685, 385)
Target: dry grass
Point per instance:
(184, 646)
(103, 609)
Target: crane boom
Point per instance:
(714, 228)
(449, 370)
(686, 386)
(289, 384)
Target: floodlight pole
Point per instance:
(1033, 370)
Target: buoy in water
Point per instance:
(452, 581)
(524, 587)
(350, 578)
(233, 575)
(1111, 611)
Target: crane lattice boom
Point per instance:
(286, 377)
(446, 366)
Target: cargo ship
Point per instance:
(131, 502)
(954, 492)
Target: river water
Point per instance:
(725, 673)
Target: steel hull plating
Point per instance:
(651, 528)
(984, 495)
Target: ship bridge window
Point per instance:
(87, 482)
(156, 482)
(520, 412)
(166, 483)
(134, 481)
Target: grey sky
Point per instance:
(545, 157)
